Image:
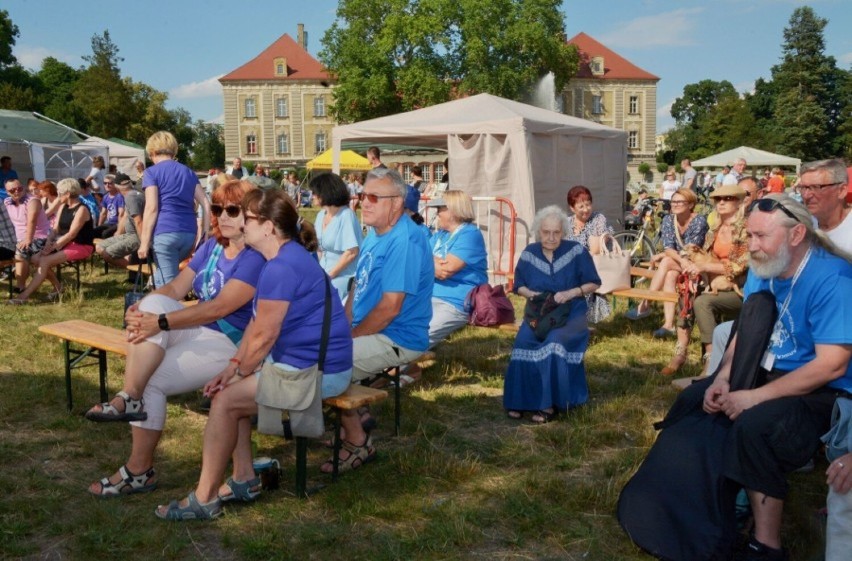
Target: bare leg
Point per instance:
(243, 469)
(45, 263)
(351, 422)
(22, 271)
(767, 518)
(229, 413)
(142, 361)
(679, 358)
(670, 285)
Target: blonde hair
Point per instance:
(460, 204)
(68, 185)
(162, 143)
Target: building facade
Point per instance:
(277, 106)
(610, 90)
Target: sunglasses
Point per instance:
(727, 198)
(14, 189)
(109, 183)
(770, 205)
(232, 210)
(373, 198)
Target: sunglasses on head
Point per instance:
(770, 205)
(232, 210)
(14, 189)
(727, 198)
(373, 198)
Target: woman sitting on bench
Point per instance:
(286, 331)
(72, 240)
(177, 349)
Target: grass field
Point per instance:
(461, 481)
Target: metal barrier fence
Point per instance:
(496, 219)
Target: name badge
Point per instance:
(768, 361)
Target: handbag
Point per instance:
(488, 306)
(613, 268)
(136, 294)
(838, 440)
(298, 391)
(543, 314)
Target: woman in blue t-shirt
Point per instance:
(169, 226)
(458, 250)
(286, 329)
(338, 231)
(176, 349)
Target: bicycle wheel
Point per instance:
(641, 250)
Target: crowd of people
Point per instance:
(378, 292)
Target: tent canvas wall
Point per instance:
(752, 156)
(504, 148)
(123, 156)
(42, 149)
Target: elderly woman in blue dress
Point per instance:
(546, 373)
(588, 228)
(338, 231)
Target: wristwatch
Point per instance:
(163, 322)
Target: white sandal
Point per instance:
(133, 411)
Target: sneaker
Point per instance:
(663, 333)
(634, 313)
(756, 551)
(807, 468)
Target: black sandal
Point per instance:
(542, 417)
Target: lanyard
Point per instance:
(442, 249)
(789, 296)
(208, 270)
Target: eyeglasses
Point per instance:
(249, 217)
(678, 202)
(817, 188)
(374, 198)
(232, 210)
(109, 182)
(770, 205)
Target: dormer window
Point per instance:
(280, 66)
(597, 66)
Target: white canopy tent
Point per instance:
(504, 148)
(752, 156)
(124, 157)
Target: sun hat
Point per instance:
(728, 191)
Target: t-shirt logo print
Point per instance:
(362, 275)
(215, 283)
(781, 343)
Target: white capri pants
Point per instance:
(838, 532)
(193, 357)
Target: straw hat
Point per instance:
(728, 191)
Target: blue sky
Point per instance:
(183, 46)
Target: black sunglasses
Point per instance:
(770, 205)
(232, 210)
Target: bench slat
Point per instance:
(646, 294)
(356, 396)
(90, 334)
(642, 272)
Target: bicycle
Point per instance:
(641, 238)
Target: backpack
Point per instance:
(488, 306)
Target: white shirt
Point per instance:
(669, 187)
(841, 235)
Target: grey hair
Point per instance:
(552, 211)
(814, 235)
(393, 175)
(68, 185)
(836, 167)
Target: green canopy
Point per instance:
(23, 126)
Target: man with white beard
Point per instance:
(777, 425)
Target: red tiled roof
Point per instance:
(616, 67)
(300, 64)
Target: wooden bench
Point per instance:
(645, 294)
(98, 340)
(642, 272)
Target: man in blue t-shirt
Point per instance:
(777, 425)
(390, 304)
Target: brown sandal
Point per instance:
(678, 360)
(358, 456)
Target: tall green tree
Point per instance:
(18, 89)
(101, 93)
(397, 55)
(58, 81)
(9, 33)
(208, 149)
(691, 111)
(807, 82)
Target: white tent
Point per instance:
(503, 148)
(124, 157)
(752, 156)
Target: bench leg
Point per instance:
(68, 373)
(335, 457)
(397, 400)
(301, 467)
(102, 372)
